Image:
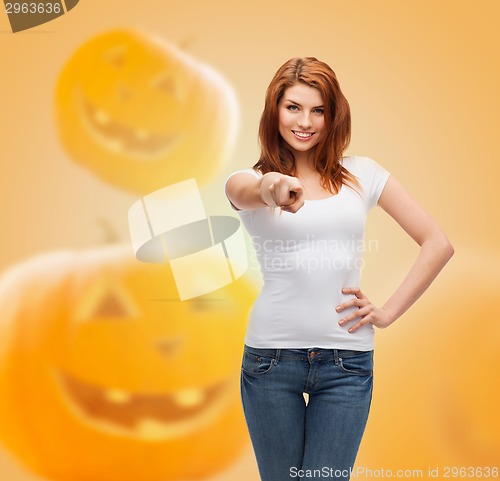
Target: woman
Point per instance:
(311, 327)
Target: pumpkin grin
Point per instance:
(147, 416)
(119, 137)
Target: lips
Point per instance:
(302, 135)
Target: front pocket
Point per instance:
(360, 364)
(254, 364)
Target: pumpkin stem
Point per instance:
(186, 43)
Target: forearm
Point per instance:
(244, 191)
(433, 256)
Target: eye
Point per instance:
(116, 56)
(105, 301)
(165, 82)
(319, 111)
(168, 84)
(292, 107)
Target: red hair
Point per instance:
(276, 155)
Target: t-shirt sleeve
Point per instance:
(258, 175)
(374, 179)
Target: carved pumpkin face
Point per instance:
(105, 374)
(438, 395)
(141, 114)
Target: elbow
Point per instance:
(440, 244)
(446, 248)
(449, 250)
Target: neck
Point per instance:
(304, 162)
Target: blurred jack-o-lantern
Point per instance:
(106, 375)
(436, 394)
(141, 114)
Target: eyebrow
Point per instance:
(296, 103)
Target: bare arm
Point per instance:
(435, 251)
(435, 248)
(273, 189)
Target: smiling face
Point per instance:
(108, 358)
(301, 118)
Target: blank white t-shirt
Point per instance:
(306, 258)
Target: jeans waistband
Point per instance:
(304, 353)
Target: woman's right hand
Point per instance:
(284, 191)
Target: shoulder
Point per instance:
(370, 174)
(237, 181)
(359, 165)
(256, 173)
(252, 171)
(367, 170)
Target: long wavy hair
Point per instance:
(276, 154)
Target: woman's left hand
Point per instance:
(369, 313)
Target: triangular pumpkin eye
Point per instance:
(116, 56)
(110, 306)
(106, 301)
(168, 84)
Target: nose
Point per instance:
(305, 121)
(124, 92)
(169, 346)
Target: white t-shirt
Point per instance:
(306, 258)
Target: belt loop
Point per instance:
(336, 356)
(277, 356)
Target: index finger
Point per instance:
(298, 191)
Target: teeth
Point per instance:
(188, 397)
(115, 144)
(116, 396)
(150, 428)
(302, 134)
(101, 117)
(185, 398)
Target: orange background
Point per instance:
(422, 81)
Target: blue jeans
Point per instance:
(291, 439)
